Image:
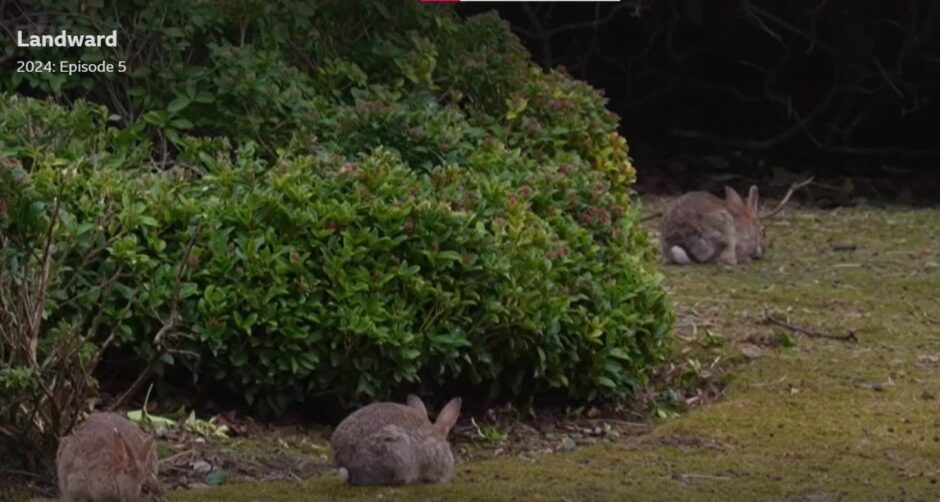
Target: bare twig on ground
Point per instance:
(691, 476)
(793, 188)
(652, 216)
(615, 421)
(848, 336)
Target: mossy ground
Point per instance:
(809, 419)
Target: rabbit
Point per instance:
(701, 228)
(108, 458)
(395, 444)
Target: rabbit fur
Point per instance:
(395, 444)
(702, 228)
(107, 458)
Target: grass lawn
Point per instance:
(802, 418)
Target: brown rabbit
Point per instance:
(394, 444)
(108, 458)
(701, 228)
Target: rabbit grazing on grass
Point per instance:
(701, 228)
(395, 444)
(108, 458)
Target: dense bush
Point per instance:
(387, 197)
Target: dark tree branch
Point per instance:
(750, 144)
(170, 326)
(594, 24)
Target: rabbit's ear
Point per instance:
(416, 403)
(448, 416)
(123, 451)
(732, 197)
(752, 203)
(146, 449)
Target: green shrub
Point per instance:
(424, 209)
(47, 364)
(264, 70)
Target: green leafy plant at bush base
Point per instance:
(424, 209)
(489, 433)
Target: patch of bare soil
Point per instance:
(254, 452)
(505, 431)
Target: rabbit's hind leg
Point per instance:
(727, 256)
(694, 245)
(702, 248)
(727, 239)
(715, 240)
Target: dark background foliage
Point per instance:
(839, 88)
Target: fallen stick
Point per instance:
(848, 336)
(690, 476)
(652, 216)
(793, 188)
(615, 421)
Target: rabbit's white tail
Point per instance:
(678, 255)
(343, 474)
